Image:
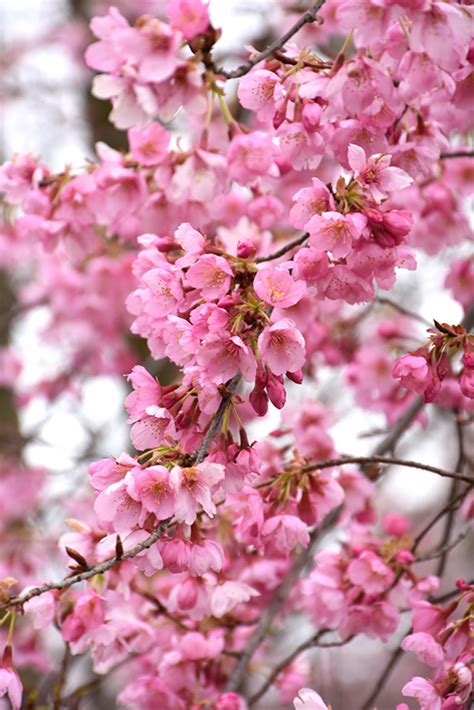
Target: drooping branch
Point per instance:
(308, 17)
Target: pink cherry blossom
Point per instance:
(149, 146)
(368, 571)
(193, 487)
(212, 275)
(425, 693)
(10, 683)
(308, 699)
(375, 174)
(335, 232)
(249, 156)
(413, 371)
(282, 347)
(425, 647)
(277, 288)
(191, 17)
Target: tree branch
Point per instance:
(284, 249)
(363, 460)
(458, 154)
(308, 17)
(276, 604)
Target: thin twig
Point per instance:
(404, 311)
(284, 249)
(312, 642)
(276, 604)
(363, 460)
(92, 571)
(458, 154)
(381, 680)
(441, 551)
(308, 17)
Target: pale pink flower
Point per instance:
(425, 647)
(308, 699)
(334, 232)
(414, 372)
(249, 156)
(282, 533)
(226, 596)
(369, 572)
(146, 393)
(257, 92)
(282, 347)
(424, 691)
(152, 429)
(310, 201)
(116, 507)
(152, 487)
(41, 608)
(205, 557)
(376, 174)
(165, 291)
(105, 472)
(10, 683)
(277, 287)
(191, 17)
(150, 145)
(212, 275)
(197, 647)
(223, 356)
(193, 488)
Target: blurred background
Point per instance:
(47, 110)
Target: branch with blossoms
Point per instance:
(279, 225)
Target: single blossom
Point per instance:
(334, 232)
(308, 699)
(277, 287)
(194, 486)
(282, 347)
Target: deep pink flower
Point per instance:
(223, 356)
(414, 372)
(310, 201)
(282, 533)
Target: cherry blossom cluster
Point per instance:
(249, 253)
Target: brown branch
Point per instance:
(364, 460)
(404, 311)
(308, 17)
(284, 249)
(443, 549)
(309, 643)
(92, 571)
(381, 680)
(458, 154)
(279, 599)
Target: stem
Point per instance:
(284, 249)
(381, 680)
(276, 604)
(308, 17)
